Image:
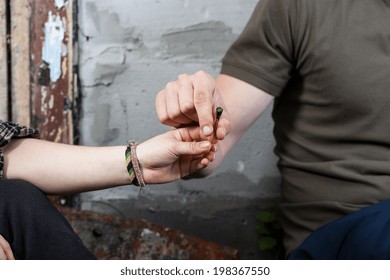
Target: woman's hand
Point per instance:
(174, 155)
(5, 250)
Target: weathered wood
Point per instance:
(20, 55)
(42, 69)
(43, 83)
(3, 62)
(52, 70)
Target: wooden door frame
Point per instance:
(28, 93)
(4, 91)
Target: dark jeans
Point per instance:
(33, 227)
(363, 235)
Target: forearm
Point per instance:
(59, 168)
(245, 103)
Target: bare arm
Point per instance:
(59, 168)
(245, 103)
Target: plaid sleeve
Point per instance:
(9, 130)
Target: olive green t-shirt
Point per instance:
(328, 65)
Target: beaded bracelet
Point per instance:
(133, 165)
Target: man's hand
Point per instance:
(5, 250)
(193, 99)
(174, 155)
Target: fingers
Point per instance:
(169, 108)
(223, 126)
(5, 250)
(204, 89)
(189, 165)
(189, 134)
(194, 156)
(162, 110)
(186, 97)
(193, 98)
(192, 134)
(192, 148)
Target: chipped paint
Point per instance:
(51, 56)
(202, 40)
(64, 67)
(44, 94)
(53, 48)
(59, 3)
(106, 65)
(51, 102)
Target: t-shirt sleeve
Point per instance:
(10, 130)
(263, 55)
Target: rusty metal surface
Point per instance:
(52, 100)
(111, 237)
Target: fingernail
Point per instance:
(215, 147)
(205, 144)
(207, 130)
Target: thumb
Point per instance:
(192, 148)
(5, 250)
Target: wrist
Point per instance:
(133, 166)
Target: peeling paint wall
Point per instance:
(53, 83)
(53, 48)
(129, 50)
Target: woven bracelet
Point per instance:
(133, 165)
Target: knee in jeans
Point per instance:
(19, 192)
(371, 238)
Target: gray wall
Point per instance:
(129, 50)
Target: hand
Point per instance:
(5, 250)
(193, 98)
(174, 155)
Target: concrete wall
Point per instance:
(129, 50)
